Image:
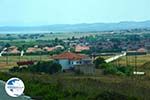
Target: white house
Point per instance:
(68, 60)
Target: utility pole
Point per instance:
(127, 63)
(19, 57)
(7, 58)
(118, 62)
(135, 61)
(40, 56)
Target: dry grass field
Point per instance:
(10, 61)
(130, 60)
(122, 61)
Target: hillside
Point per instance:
(77, 27)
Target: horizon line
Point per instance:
(73, 23)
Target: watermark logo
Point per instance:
(14, 87)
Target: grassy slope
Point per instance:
(73, 87)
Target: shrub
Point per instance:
(120, 73)
(14, 69)
(45, 67)
(146, 65)
(110, 70)
(106, 95)
(105, 65)
(122, 70)
(99, 61)
(126, 70)
(78, 72)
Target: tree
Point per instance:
(73, 38)
(49, 67)
(7, 45)
(98, 61)
(56, 40)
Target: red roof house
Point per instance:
(79, 48)
(68, 59)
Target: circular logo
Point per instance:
(14, 87)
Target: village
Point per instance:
(78, 53)
(97, 43)
(91, 60)
(74, 50)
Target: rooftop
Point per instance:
(70, 56)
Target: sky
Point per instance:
(48, 12)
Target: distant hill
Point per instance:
(77, 27)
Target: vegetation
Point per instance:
(146, 65)
(49, 67)
(10, 61)
(109, 68)
(107, 95)
(42, 81)
(70, 87)
(121, 70)
(99, 61)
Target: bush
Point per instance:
(110, 70)
(146, 66)
(120, 73)
(78, 72)
(105, 65)
(14, 69)
(98, 62)
(106, 95)
(126, 70)
(45, 67)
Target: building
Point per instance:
(79, 48)
(33, 50)
(85, 68)
(69, 60)
(49, 49)
(13, 50)
(141, 51)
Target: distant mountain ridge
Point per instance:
(78, 27)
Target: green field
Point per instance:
(46, 36)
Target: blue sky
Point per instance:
(43, 12)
